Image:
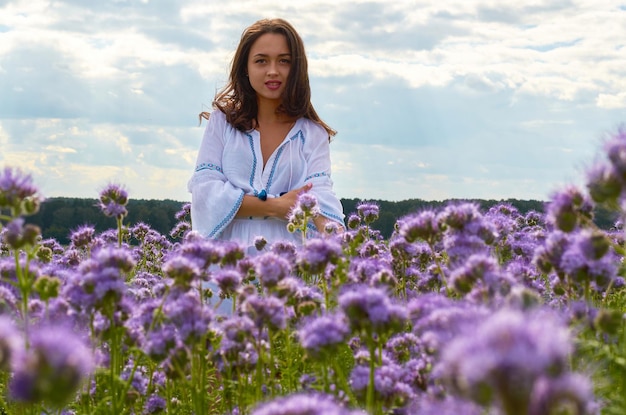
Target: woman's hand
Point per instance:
(287, 201)
(278, 207)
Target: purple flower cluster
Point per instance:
(304, 404)
(52, 368)
(459, 311)
(504, 357)
(113, 201)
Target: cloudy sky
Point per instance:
(432, 99)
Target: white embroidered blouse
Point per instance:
(230, 165)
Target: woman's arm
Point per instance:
(277, 207)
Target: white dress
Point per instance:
(230, 165)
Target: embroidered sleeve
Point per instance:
(214, 200)
(318, 172)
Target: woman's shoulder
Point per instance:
(312, 129)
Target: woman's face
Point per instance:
(269, 63)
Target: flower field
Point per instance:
(460, 311)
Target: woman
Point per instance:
(264, 144)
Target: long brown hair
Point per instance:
(238, 99)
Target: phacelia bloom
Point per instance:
(270, 268)
(317, 253)
(571, 390)
(307, 202)
(587, 258)
(99, 279)
(370, 308)
(113, 200)
(369, 211)
(188, 314)
(18, 235)
(180, 229)
(478, 268)
(604, 184)
(615, 149)
(460, 216)
(10, 341)
(322, 334)
(52, 368)
(505, 355)
(422, 226)
(566, 207)
(17, 192)
(154, 404)
(182, 270)
(353, 221)
(83, 236)
(285, 249)
(259, 243)
(389, 387)
(184, 212)
(448, 405)
(304, 404)
(265, 311)
(228, 279)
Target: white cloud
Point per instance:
(472, 98)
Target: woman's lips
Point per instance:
(273, 85)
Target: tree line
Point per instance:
(58, 217)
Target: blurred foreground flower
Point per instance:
(52, 369)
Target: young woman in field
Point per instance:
(264, 144)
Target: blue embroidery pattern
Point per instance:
(332, 216)
(271, 178)
(280, 151)
(320, 174)
(228, 217)
(208, 166)
(253, 162)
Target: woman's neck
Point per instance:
(267, 113)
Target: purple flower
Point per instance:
(188, 314)
(616, 152)
(303, 404)
(17, 192)
(271, 268)
(228, 279)
(604, 184)
(353, 221)
(321, 335)
(180, 229)
(307, 202)
(154, 405)
(184, 212)
(19, 235)
(265, 311)
(10, 341)
(83, 236)
(260, 242)
(285, 249)
(570, 390)
(478, 268)
(448, 405)
(113, 200)
(369, 211)
(566, 208)
(100, 279)
(371, 309)
(422, 226)
(503, 357)
(182, 270)
(52, 368)
(389, 386)
(317, 253)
